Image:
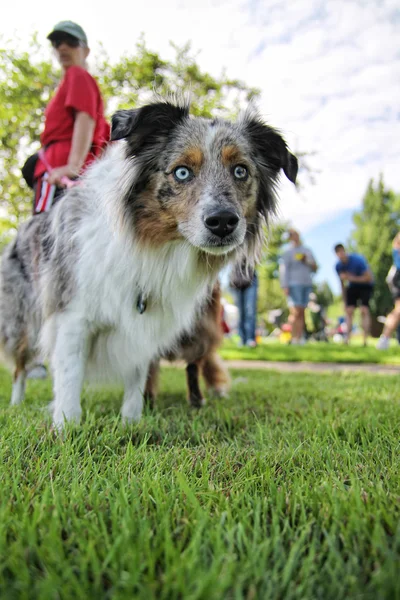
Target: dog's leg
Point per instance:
(195, 396)
(151, 389)
(20, 374)
(18, 386)
(132, 405)
(68, 362)
(216, 375)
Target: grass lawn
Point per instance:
(314, 352)
(289, 489)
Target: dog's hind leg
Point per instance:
(216, 375)
(19, 382)
(18, 386)
(195, 396)
(132, 405)
(151, 389)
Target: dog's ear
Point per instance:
(147, 125)
(121, 124)
(271, 148)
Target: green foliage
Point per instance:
(276, 239)
(324, 294)
(25, 88)
(28, 81)
(376, 224)
(270, 295)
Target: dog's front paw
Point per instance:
(130, 415)
(61, 417)
(219, 392)
(196, 401)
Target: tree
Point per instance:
(270, 294)
(30, 80)
(24, 92)
(376, 224)
(276, 239)
(324, 294)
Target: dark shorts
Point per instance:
(396, 294)
(358, 294)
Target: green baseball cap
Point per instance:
(68, 27)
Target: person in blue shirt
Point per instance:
(357, 287)
(393, 281)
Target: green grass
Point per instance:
(314, 352)
(288, 490)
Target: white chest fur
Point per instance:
(111, 275)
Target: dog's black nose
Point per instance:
(222, 223)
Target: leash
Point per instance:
(141, 301)
(64, 179)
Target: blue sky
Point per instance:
(328, 71)
(322, 239)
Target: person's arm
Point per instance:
(364, 278)
(343, 277)
(311, 262)
(82, 138)
(283, 274)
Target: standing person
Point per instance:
(244, 282)
(296, 269)
(393, 280)
(357, 286)
(75, 130)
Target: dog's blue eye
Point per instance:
(183, 174)
(240, 172)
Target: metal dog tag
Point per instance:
(141, 304)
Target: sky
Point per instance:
(329, 74)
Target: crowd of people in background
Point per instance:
(297, 267)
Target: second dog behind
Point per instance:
(199, 350)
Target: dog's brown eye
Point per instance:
(240, 172)
(183, 174)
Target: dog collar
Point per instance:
(141, 303)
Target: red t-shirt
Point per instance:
(77, 92)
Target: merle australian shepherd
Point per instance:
(119, 268)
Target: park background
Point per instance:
(324, 73)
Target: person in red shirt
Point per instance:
(75, 130)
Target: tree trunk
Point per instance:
(376, 327)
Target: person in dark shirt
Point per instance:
(357, 287)
(244, 282)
